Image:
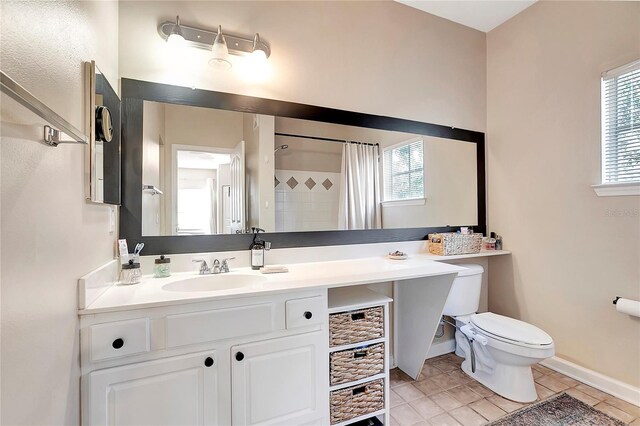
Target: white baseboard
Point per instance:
(442, 348)
(597, 380)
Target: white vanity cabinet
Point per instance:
(180, 390)
(242, 361)
(277, 382)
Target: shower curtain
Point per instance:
(359, 206)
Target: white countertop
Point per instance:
(301, 276)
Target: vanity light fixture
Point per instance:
(221, 45)
(220, 52)
(176, 37)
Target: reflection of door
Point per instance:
(237, 190)
(226, 209)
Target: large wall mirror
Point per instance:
(202, 168)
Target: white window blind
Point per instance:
(403, 171)
(621, 124)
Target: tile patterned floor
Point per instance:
(444, 395)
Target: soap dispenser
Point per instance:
(257, 247)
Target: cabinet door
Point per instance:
(280, 382)
(179, 390)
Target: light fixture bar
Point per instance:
(203, 39)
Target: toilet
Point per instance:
(498, 351)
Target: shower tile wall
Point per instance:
(306, 201)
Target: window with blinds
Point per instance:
(403, 171)
(621, 124)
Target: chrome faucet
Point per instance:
(216, 267)
(224, 267)
(204, 268)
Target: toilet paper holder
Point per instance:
(615, 301)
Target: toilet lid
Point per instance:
(510, 329)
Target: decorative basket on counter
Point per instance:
(451, 243)
(355, 364)
(349, 403)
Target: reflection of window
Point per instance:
(403, 171)
(621, 124)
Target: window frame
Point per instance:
(604, 188)
(414, 201)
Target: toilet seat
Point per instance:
(511, 331)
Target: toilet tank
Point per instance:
(464, 297)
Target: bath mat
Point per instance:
(561, 410)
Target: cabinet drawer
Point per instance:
(219, 324)
(114, 339)
(305, 312)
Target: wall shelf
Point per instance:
(19, 103)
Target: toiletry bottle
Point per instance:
(257, 249)
(498, 242)
(162, 268)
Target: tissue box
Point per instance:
(452, 243)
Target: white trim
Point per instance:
(594, 379)
(623, 69)
(406, 202)
(441, 348)
(617, 189)
(403, 143)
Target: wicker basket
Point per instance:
(356, 326)
(357, 401)
(356, 364)
(450, 243)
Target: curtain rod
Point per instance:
(318, 138)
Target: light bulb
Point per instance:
(176, 38)
(258, 55)
(220, 52)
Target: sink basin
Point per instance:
(215, 282)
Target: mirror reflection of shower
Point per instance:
(283, 147)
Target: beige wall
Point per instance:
(396, 61)
(188, 125)
(571, 254)
(50, 235)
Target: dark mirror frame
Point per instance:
(135, 92)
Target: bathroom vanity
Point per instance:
(243, 348)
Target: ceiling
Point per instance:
(479, 14)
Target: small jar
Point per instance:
(130, 273)
(162, 268)
(489, 243)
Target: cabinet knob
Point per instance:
(118, 343)
(308, 315)
(208, 362)
(239, 356)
